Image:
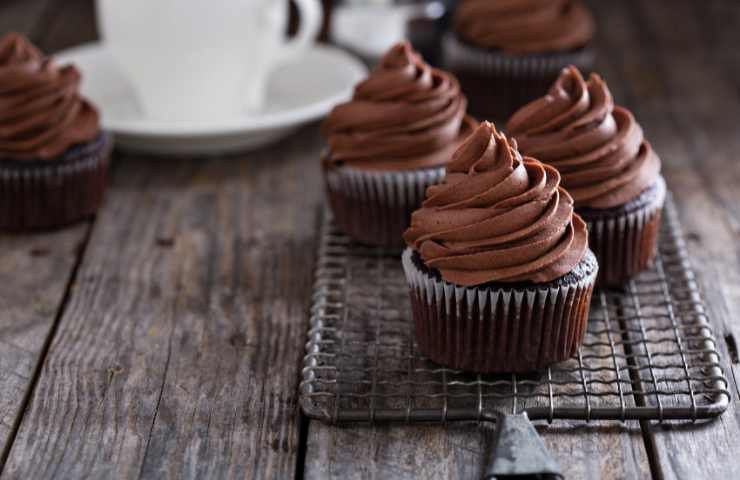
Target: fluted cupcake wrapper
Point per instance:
(47, 195)
(496, 330)
(626, 244)
(375, 207)
(497, 84)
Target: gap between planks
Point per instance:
(80, 254)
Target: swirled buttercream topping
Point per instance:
(405, 115)
(598, 148)
(525, 26)
(497, 217)
(41, 111)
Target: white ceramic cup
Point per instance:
(194, 60)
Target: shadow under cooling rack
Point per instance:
(649, 352)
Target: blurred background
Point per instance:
(365, 26)
(368, 27)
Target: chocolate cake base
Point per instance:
(47, 194)
(498, 327)
(498, 84)
(625, 238)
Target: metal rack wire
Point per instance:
(649, 352)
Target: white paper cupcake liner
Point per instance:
(487, 329)
(46, 195)
(626, 244)
(375, 207)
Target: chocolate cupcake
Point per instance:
(607, 166)
(389, 143)
(53, 155)
(498, 264)
(508, 52)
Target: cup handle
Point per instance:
(311, 14)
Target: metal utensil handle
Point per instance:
(519, 451)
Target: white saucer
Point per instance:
(299, 91)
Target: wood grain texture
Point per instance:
(681, 69)
(461, 450)
(25, 16)
(52, 25)
(34, 274)
(179, 353)
(67, 23)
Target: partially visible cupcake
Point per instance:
(508, 52)
(498, 264)
(53, 154)
(607, 166)
(389, 143)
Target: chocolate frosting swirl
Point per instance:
(524, 26)
(497, 217)
(406, 115)
(598, 148)
(41, 111)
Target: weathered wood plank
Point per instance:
(68, 23)
(34, 274)
(28, 17)
(179, 353)
(51, 25)
(688, 62)
(461, 451)
(393, 451)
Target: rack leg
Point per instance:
(519, 451)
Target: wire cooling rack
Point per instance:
(649, 352)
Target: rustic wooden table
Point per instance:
(164, 339)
